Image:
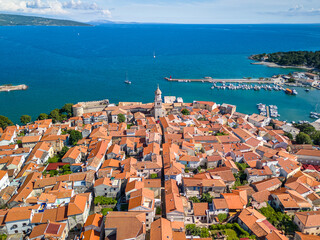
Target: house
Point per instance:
(56, 141)
(219, 206)
(269, 184)
(201, 212)
(78, 210)
(161, 230)
(236, 200)
(197, 186)
(18, 220)
(228, 109)
(107, 187)
(308, 222)
(93, 227)
(142, 200)
(258, 120)
(74, 155)
(306, 156)
(41, 153)
(4, 179)
(173, 202)
(30, 141)
(125, 225)
(154, 185)
(302, 236)
(205, 105)
(255, 223)
(97, 155)
(114, 152)
(50, 230)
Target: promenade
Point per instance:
(211, 80)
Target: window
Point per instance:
(24, 224)
(14, 226)
(16, 231)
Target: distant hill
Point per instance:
(20, 20)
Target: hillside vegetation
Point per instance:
(294, 58)
(19, 20)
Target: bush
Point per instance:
(104, 211)
(206, 197)
(121, 118)
(185, 112)
(104, 200)
(153, 175)
(222, 217)
(194, 199)
(158, 210)
(231, 234)
(43, 116)
(54, 159)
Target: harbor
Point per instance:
(211, 80)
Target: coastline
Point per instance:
(8, 88)
(274, 65)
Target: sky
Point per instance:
(171, 11)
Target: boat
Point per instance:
(127, 81)
(154, 54)
(307, 90)
(294, 92)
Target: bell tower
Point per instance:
(158, 110)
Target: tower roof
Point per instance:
(158, 91)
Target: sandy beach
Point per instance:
(274, 65)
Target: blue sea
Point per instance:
(71, 64)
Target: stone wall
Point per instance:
(87, 107)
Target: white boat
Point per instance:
(154, 54)
(127, 81)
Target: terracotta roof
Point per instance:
(309, 219)
(94, 220)
(161, 230)
(199, 209)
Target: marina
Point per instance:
(211, 80)
(268, 111)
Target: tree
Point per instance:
(222, 217)
(121, 118)
(104, 211)
(206, 197)
(153, 175)
(24, 119)
(303, 138)
(67, 108)
(194, 199)
(43, 116)
(63, 151)
(204, 232)
(306, 128)
(54, 159)
(316, 138)
(5, 122)
(74, 137)
(289, 135)
(55, 115)
(185, 111)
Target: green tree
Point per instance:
(204, 232)
(289, 135)
(67, 109)
(24, 119)
(74, 137)
(121, 118)
(63, 151)
(185, 111)
(54, 159)
(104, 200)
(43, 116)
(158, 210)
(305, 127)
(194, 199)
(222, 217)
(303, 138)
(55, 115)
(206, 197)
(5, 122)
(153, 175)
(104, 211)
(316, 138)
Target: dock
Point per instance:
(211, 80)
(268, 112)
(8, 87)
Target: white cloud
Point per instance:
(53, 7)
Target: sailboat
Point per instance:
(154, 54)
(127, 81)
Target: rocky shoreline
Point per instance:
(8, 88)
(274, 65)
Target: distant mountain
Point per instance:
(20, 20)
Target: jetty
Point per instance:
(211, 80)
(9, 87)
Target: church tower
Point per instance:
(158, 110)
